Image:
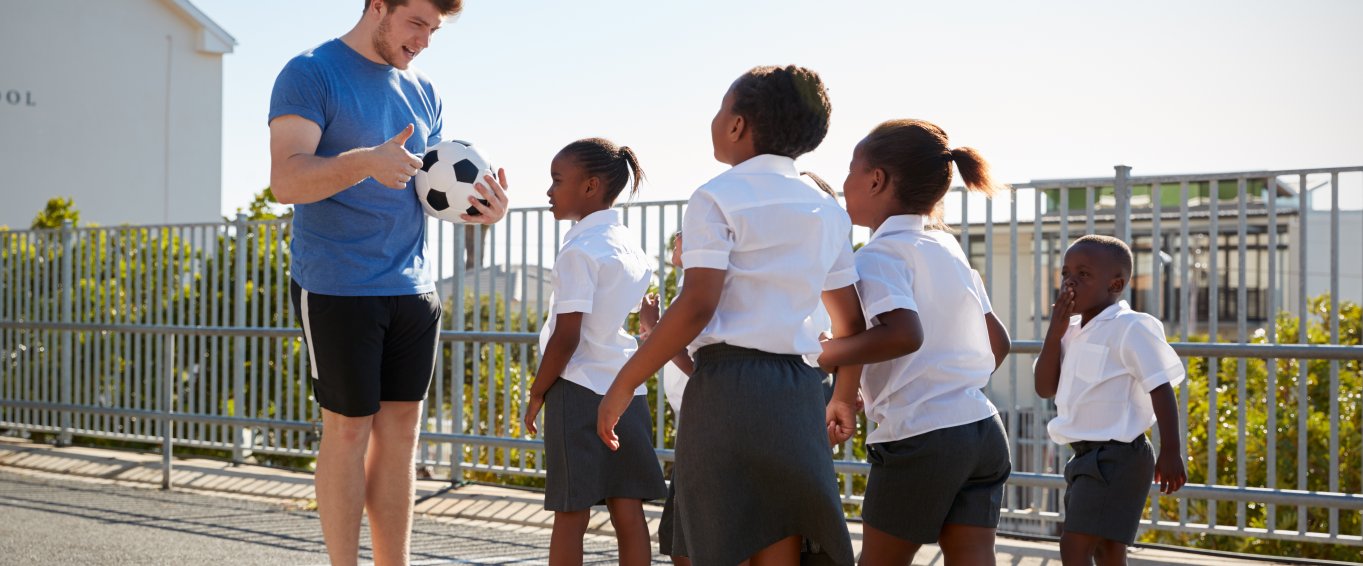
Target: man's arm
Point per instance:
(299, 176)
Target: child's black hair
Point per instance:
(1116, 251)
(916, 158)
(786, 107)
(614, 165)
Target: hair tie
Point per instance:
(948, 157)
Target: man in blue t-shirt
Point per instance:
(348, 120)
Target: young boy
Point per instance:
(1112, 374)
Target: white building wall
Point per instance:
(119, 109)
(1319, 266)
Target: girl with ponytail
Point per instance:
(600, 276)
(939, 454)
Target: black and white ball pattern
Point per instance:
(448, 172)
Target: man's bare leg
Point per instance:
(340, 484)
(390, 480)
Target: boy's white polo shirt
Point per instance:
(781, 241)
(1108, 369)
(603, 274)
(941, 385)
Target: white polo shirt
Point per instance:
(674, 379)
(1108, 369)
(906, 267)
(782, 242)
(600, 272)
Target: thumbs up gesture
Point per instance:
(391, 164)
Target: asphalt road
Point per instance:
(44, 520)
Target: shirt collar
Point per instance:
(1112, 311)
(899, 223)
(1108, 313)
(767, 163)
(606, 217)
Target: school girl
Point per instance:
(600, 275)
(762, 245)
(939, 454)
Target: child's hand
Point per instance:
(825, 337)
(842, 421)
(1169, 471)
(648, 315)
(608, 413)
(532, 410)
(1061, 312)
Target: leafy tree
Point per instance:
(1287, 388)
(57, 211)
(263, 207)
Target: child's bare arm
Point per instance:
(684, 362)
(844, 310)
(1169, 469)
(899, 333)
(562, 343)
(1047, 369)
(648, 320)
(648, 314)
(681, 324)
(999, 341)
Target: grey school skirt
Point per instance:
(580, 470)
(753, 461)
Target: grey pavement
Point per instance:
(82, 505)
(49, 520)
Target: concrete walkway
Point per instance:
(471, 524)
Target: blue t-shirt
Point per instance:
(368, 239)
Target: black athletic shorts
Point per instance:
(362, 350)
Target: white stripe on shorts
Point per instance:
(307, 331)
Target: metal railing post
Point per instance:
(166, 393)
(1121, 189)
(239, 341)
(67, 298)
(461, 242)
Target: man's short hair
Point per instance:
(1116, 250)
(446, 7)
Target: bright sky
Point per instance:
(1043, 89)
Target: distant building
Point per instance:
(521, 286)
(116, 104)
(1213, 267)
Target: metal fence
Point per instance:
(184, 335)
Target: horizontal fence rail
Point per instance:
(184, 336)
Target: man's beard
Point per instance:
(381, 45)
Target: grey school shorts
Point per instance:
(953, 475)
(1106, 486)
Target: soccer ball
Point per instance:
(445, 182)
